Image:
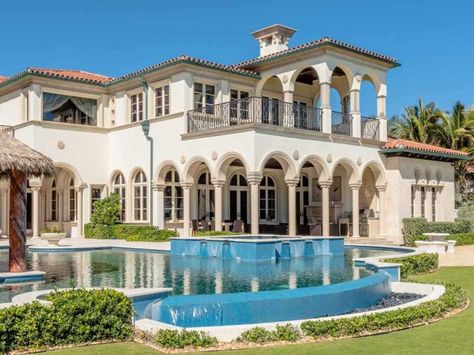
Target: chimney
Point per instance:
(273, 39)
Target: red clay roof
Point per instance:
(2, 78)
(397, 143)
(319, 42)
(72, 74)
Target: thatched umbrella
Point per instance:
(18, 162)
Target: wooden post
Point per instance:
(17, 230)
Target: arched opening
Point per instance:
(119, 187)
(368, 108)
(205, 196)
(340, 102)
(306, 92)
(272, 95)
(173, 197)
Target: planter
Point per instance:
(53, 238)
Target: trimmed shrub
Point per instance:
(107, 210)
(257, 335)
(287, 332)
(179, 339)
(129, 232)
(413, 228)
(416, 264)
(453, 298)
(463, 239)
(214, 233)
(466, 212)
(73, 317)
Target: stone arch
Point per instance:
(319, 164)
(225, 161)
(378, 170)
(297, 73)
(163, 169)
(66, 167)
(133, 173)
(284, 160)
(191, 168)
(114, 174)
(351, 169)
(264, 81)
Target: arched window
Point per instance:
(205, 196)
(139, 197)
(238, 198)
(173, 197)
(302, 198)
(267, 200)
(118, 187)
(72, 201)
(54, 202)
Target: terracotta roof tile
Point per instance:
(188, 59)
(397, 143)
(3, 78)
(317, 43)
(72, 74)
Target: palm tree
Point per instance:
(418, 123)
(456, 130)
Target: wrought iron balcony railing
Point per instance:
(341, 123)
(369, 127)
(254, 111)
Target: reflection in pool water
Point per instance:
(186, 275)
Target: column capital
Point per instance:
(292, 182)
(254, 177)
(186, 185)
(35, 188)
(325, 184)
(355, 186)
(158, 187)
(218, 183)
(36, 182)
(381, 188)
(81, 187)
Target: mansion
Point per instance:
(279, 142)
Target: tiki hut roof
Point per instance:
(14, 155)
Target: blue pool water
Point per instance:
(186, 275)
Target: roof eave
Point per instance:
(440, 156)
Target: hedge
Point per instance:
(180, 339)
(413, 228)
(214, 233)
(73, 317)
(416, 264)
(129, 232)
(402, 318)
(463, 238)
(287, 332)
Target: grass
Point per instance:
(450, 336)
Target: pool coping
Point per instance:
(228, 333)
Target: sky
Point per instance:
(433, 40)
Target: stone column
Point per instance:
(186, 209)
(355, 209)
(254, 182)
(355, 112)
(35, 216)
(288, 114)
(417, 202)
(4, 212)
(382, 116)
(325, 99)
(325, 185)
(291, 206)
(79, 215)
(218, 186)
(381, 192)
(159, 201)
(428, 206)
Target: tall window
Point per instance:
(162, 101)
(204, 97)
(423, 201)
(140, 197)
(72, 201)
(118, 187)
(69, 109)
(239, 104)
(96, 194)
(270, 110)
(268, 200)
(302, 198)
(136, 107)
(54, 202)
(205, 196)
(173, 197)
(238, 198)
(433, 204)
(413, 196)
(300, 112)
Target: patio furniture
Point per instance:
(205, 225)
(238, 226)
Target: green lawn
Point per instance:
(454, 335)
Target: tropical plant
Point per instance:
(107, 211)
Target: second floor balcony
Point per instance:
(258, 111)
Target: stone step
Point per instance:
(372, 241)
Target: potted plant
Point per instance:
(52, 235)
